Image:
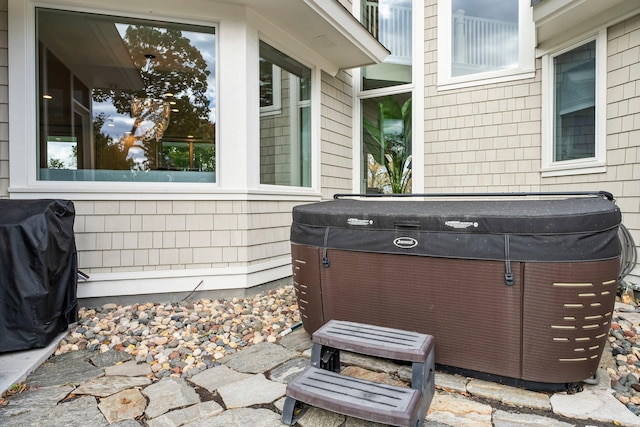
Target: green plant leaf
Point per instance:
(392, 151)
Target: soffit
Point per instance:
(324, 26)
(558, 21)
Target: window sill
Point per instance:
(485, 78)
(576, 169)
(155, 192)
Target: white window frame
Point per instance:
(596, 164)
(238, 41)
(23, 130)
(526, 51)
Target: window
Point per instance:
(124, 99)
(574, 75)
(484, 39)
(285, 133)
(387, 143)
(390, 21)
(386, 100)
(573, 131)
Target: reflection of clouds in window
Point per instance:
(62, 154)
(502, 10)
(485, 35)
(116, 125)
(386, 7)
(395, 28)
(138, 156)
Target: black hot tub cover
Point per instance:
(535, 230)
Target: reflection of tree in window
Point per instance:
(266, 83)
(174, 75)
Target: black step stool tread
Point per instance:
(377, 402)
(375, 341)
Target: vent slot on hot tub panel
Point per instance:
(564, 320)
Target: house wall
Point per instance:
(188, 234)
(480, 138)
(488, 137)
(208, 240)
(336, 134)
(231, 239)
(4, 101)
(622, 176)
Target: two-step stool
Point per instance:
(322, 385)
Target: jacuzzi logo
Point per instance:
(405, 242)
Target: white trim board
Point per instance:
(173, 281)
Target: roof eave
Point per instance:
(324, 26)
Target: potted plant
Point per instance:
(388, 140)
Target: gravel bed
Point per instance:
(185, 338)
(182, 339)
(625, 348)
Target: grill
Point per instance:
(38, 272)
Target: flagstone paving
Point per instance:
(234, 393)
(247, 388)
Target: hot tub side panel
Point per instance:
(306, 281)
(465, 304)
(566, 318)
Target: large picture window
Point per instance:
(123, 99)
(285, 132)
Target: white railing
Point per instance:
(392, 26)
(483, 43)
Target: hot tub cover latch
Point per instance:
(325, 260)
(509, 280)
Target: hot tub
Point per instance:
(517, 289)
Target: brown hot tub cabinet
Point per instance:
(520, 291)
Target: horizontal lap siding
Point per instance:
(161, 235)
(488, 137)
(480, 138)
(622, 176)
(336, 134)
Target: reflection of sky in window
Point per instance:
(489, 37)
(116, 124)
(62, 151)
(205, 43)
(385, 7)
(502, 10)
(394, 17)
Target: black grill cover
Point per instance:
(572, 229)
(38, 272)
